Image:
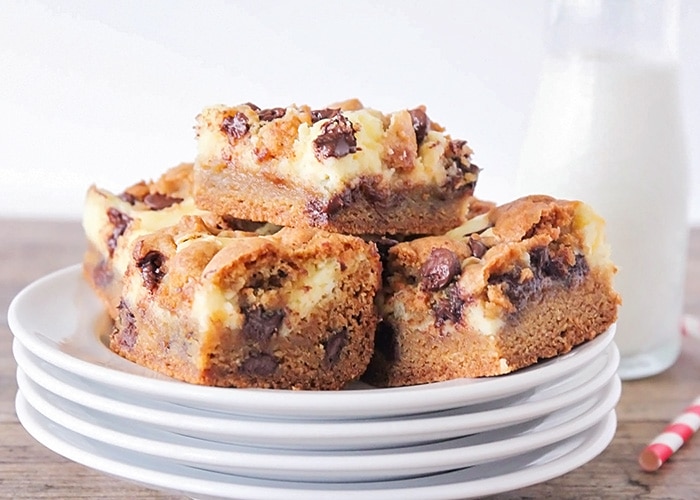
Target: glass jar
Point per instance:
(607, 129)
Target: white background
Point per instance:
(106, 92)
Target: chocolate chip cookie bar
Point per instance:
(344, 168)
(523, 282)
(196, 298)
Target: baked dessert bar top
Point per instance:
(526, 244)
(345, 168)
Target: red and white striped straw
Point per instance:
(672, 438)
(680, 430)
(690, 326)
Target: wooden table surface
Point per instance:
(30, 249)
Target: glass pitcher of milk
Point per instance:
(607, 129)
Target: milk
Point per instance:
(607, 130)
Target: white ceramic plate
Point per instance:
(70, 333)
(330, 466)
(496, 477)
(332, 434)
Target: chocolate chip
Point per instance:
(159, 201)
(259, 364)
(462, 173)
(322, 114)
(267, 115)
(337, 138)
(319, 210)
(421, 123)
(260, 325)
(455, 147)
(152, 271)
(367, 188)
(275, 280)
(127, 333)
(263, 281)
(546, 266)
(519, 293)
(102, 274)
(334, 346)
(120, 221)
(471, 169)
(337, 202)
(577, 272)
(457, 155)
(252, 106)
(439, 269)
(547, 270)
(477, 247)
(448, 308)
(128, 197)
(385, 341)
(235, 126)
(370, 190)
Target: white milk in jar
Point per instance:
(606, 129)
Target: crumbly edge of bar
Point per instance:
(100, 276)
(551, 325)
(363, 210)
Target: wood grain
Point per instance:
(30, 249)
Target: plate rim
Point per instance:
(360, 403)
(393, 463)
(200, 482)
(329, 429)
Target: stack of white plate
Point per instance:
(458, 439)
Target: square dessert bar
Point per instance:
(344, 168)
(196, 298)
(523, 282)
